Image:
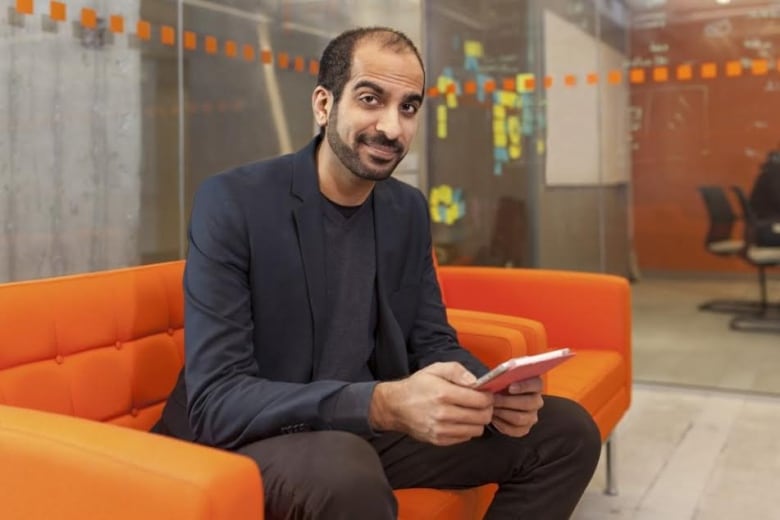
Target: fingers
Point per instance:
(510, 429)
(533, 385)
(448, 434)
(522, 402)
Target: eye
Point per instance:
(409, 108)
(369, 99)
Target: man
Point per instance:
(316, 339)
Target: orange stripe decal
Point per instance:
(57, 11)
(116, 24)
(143, 30)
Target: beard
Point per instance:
(374, 168)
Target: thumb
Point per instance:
(453, 372)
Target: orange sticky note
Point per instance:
(570, 80)
(249, 52)
(530, 83)
(709, 70)
(470, 87)
(24, 6)
(57, 11)
(733, 68)
(144, 30)
(490, 86)
(451, 89)
(314, 67)
(266, 56)
(509, 84)
(615, 77)
(759, 67)
(660, 74)
(548, 81)
(167, 35)
(433, 92)
(636, 75)
(283, 59)
(299, 64)
(684, 72)
(231, 49)
(88, 18)
(190, 41)
(592, 78)
(116, 24)
(211, 45)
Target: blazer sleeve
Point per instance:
(432, 339)
(228, 404)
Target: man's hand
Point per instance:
(515, 411)
(433, 405)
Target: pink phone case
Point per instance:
(522, 371)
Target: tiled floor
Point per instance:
(674, 342)
(692, 455)
(686, 452)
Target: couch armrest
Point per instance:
(533, 332)
(55, 466)
(578, 310)
(490, 343)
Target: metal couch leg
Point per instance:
(609, 448)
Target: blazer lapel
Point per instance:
(308, 224)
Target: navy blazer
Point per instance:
(256, 308)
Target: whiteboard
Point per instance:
(583, 146)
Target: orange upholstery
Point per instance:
(105, 349)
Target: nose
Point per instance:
(389, 123)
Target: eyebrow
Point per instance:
(409, 98)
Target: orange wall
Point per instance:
(697, 131)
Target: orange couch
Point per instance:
(87, 361)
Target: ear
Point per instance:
(321, 104)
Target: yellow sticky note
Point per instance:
(521, 82)
(452, 100)
(515, 152)
(499, 112)
(513, 129)
(441, 122)
(442, 83)
(473, 48)
(540, 146)
(507, 99)
(499, 140)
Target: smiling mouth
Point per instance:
(385, 153)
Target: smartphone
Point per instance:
(520, 368)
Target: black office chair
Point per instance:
(767, 318)
(720, 241)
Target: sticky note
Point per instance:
(515, 151)
(452, 100)
(540, 146)
(473, 48)
(499, 112)
(441, 122)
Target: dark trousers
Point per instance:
(338, 475)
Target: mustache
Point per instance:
(381, 140)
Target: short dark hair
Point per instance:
(336, 61)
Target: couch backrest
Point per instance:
(105, 346)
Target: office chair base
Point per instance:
(735, 306)
(767, 321)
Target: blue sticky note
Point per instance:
(481, 80)
(471, 63)
(497, 168)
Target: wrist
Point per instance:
(380, 410)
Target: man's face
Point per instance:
(371, 127)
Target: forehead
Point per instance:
(390, 66)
